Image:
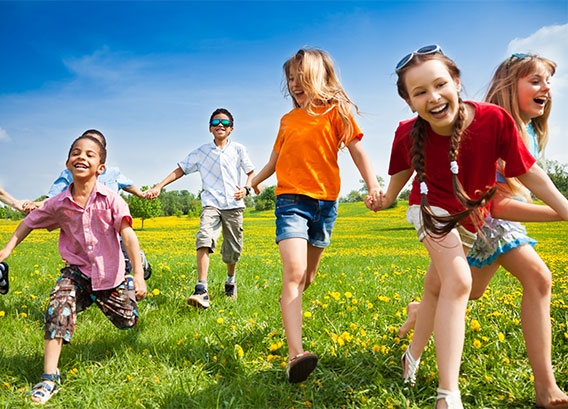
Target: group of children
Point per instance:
(470, 159)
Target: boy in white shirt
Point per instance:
(219, 164)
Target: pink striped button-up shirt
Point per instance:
(89, 237)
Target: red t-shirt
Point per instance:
(491, 135)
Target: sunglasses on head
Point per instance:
(428, 49)
(225, 122)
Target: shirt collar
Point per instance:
(96, 191)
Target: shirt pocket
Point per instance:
(101, 220)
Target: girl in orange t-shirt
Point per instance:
(304, 158)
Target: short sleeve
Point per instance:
(122, 180)
(400, 153)
(190, 163)
(280, 137)
(61, 183)
(44, 217)
(119, 210)
(512, 149)
(246, 164)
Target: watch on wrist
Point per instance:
(248, 189)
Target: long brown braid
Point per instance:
(442, 225)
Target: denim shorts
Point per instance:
(299, 216)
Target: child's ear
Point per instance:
(458, 84)
(101, 168)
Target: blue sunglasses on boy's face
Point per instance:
(428, 49)
(225, 122)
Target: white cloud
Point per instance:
(550, 42)
(4, 136)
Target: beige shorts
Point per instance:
(414, 217)
(210, 223)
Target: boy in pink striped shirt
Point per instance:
(90, 218)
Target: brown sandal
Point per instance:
(301, 366)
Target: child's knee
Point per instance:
(540, 281)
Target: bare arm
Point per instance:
(133, 250)
(540, 184)
(504, 206)
(365, 167)
(396, 183)
(10, 201)
(135, 191)
(19, 234)
(172, 177)
(267, 171)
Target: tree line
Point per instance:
(185, 203)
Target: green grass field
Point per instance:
(233, 354)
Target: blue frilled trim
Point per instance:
(474, 262)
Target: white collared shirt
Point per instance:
(220, 172)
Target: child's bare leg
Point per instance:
(449, 259)
(480, 280)
(314, 257)
(203, 263)
(52, 351)
(411, 312)
(525, 264)
(231, 268)
(293, 253)
(425, 315)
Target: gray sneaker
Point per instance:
(200, 297)
(231, 290)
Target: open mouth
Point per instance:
(80, 166)
(540, 101)
(440, 110)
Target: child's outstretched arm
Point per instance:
(133, 250)
(267, 171)
(363, 163)
(10, 201)
(504, 206)
(540, 184)
(396, 183)
(19, 234)
(135, 191)
(172, 177)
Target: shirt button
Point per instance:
(93, 264)
(90, 247)
(86, 230)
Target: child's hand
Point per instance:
(4, 254)
(257, 188)
(28, 207)
(240, 193)
(140, 288)
(152, 194)
(375, 200)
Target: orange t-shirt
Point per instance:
(307, 149)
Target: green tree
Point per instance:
(558, 173)
(145, 209)
(364, 189)
(266, 200)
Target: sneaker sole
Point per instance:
(194, 302)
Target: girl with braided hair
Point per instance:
(521, 86)
(454, 147)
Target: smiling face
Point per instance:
(295, 86)
(433, 94)
(220, 133)
(85, 159)
(533, 92)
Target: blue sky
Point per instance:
(148, 74)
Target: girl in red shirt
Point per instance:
(453, 146)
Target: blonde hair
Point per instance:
(503, 92)
(321, 86)
(441, 225)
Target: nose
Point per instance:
(433, 96)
